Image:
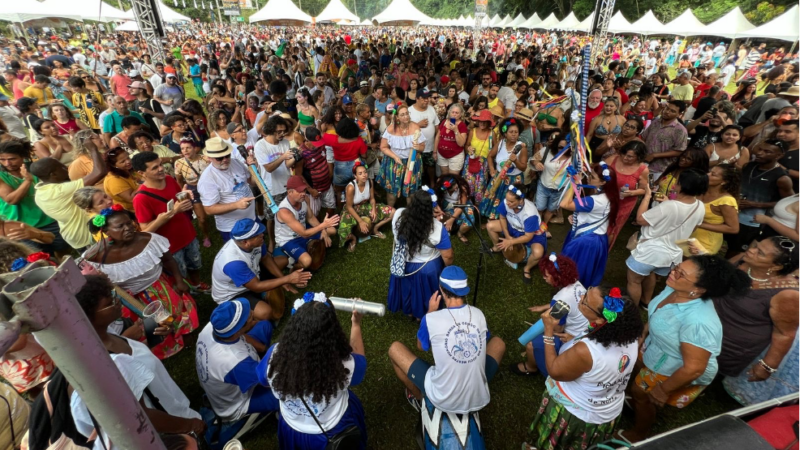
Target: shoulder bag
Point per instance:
(634, 241)
(349, 438)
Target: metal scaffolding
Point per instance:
(602, 17)
(148, 17)
(480, 13)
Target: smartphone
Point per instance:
(170, 205)
(452, 121)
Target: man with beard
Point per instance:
(322, 85)
(665, 138)
(594, 107)
(224, 187)
(702, 135)
(169, 94)
(360, 96)
(481, 89)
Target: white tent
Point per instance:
(649, 25)
(365, 23)
(130, 25)
(730, 25)
(618, 24)
(568, 23)
(506, 20)
(784, 27)
(494, 21)
(338, 13)
(87, 9)
(280, 12)
(586, 24)
(518, 21)
(167, 14)
(400, 13)
(548, 23)
(533, 22)
(684, 24)
(24, 10)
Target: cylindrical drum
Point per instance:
(350, 304)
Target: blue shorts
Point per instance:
(188, 258)
(645, 269)
(416, 373)
(297, 246)
(547, 199)
(343, 172)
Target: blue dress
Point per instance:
(587, 242)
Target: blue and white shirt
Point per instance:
(439, 239)
(593, 215)
(233, 268)
(519, 223)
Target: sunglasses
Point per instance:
(222, 158)
(786, 243)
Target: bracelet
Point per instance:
(550, 343)
(547, 339)
(766, 367)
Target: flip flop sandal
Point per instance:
(528, 279)
(463, 239)
(516, 370)
(351, 247)
(379, 235)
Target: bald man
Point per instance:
(54, 195)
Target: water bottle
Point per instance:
(623, 190)
(89, 103)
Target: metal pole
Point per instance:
(43, 301)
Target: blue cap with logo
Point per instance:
(229, 317)
(247, 228)
(454, 279)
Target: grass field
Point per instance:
(504, 300)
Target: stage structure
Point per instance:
(148, 17)
(480, 13)
(602, 17)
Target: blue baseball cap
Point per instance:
(229, 317)
(346, 100)
(454, 279)
(247, 228)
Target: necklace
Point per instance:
(750, 177)
(760, 280)
(458, 328)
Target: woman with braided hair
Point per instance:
(585, 389)
(507, 162)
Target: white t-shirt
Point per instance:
(283, 233)
(266, 153)
(577, 323)
(140, 370)
(433, 121)
(659, 249)
(439, 239)
(223, 287)
(226, 186)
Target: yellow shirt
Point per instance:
(684, 93)
(55, 200)
(81, 167)
(42, 96)
(712, 240)
(114, 185)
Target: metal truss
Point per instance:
(148, 17)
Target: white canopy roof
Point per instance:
(87, 9)
(400, 13)
(337, 12)
(519, 20)
(548, 23)
(130, 25)
(365, 23)
(281, 12)
(506, 20)
(533, 22)
(167, 14)
(730, 25)
(586, 24)
(618, 24)
(684, 24)
(784, 27)
(568, 22)
(648, 25)
(25, 10)
(494, 21)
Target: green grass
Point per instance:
(504, 300)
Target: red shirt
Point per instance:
(121, 83)
(345, 151)
(623, 97)
(590, 115)
(179, 231)
(448, 147)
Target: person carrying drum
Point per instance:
(517, 228)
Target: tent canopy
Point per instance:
(337, 12)
(685, 24)
(533, 22)
(167, 14)
(519, 20)
(785, 27)
(586, 24)
(730, 25)
(87, 9)
(280, 12)
(568, 23)
(506, 20)
(25, 10)
(649, 25)
(400, 13)
(618, 23)
(548, 23)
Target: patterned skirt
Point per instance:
(783, 382)
(476, 181)
(556, 428)
(347, 221)
(392, 176)
(182, 308)
(467, 217)
(488, 205)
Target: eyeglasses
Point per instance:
(115, 300)
(586, 304)
(678, 272)
(222, 158)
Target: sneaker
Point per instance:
(416, 404)
(201, 287)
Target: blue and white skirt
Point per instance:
(412, 293)
(290, 439)
(590, 253)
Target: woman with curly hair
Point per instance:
(121, 182)
(310, 372)
(360, 204)
(507, 162)
(585, 390)
(454, 190)
(561, 273)
(421, 251)
(136, 261)
(683, 338)
(720, 200)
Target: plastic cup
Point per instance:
(157, 312)
(233, 444)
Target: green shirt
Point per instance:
(176, 53)
(26, 210)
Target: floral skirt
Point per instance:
(476, 181)
(681, 398)
(347, 221)
(556, 428)
(467, 217)
(489, 204)
(392, 176)
(182, 308)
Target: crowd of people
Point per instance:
(298, 140)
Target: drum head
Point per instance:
(515, 253)
(276, 298)
(357, 230)
(316, 249)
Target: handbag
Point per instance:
(349, 438)
(634, 240)
(397, 266)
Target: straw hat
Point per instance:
(217, 148)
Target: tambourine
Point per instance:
(357, 229)
(276, 299)
(515, 254)
(316, 249)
